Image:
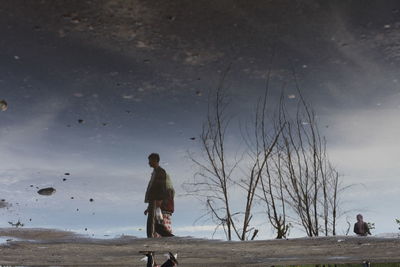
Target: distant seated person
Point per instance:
(360, 227)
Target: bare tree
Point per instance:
(289, 171)
(310, 181)
(265, 140)
(214, 180)
(211, 183)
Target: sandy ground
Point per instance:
(46, 247)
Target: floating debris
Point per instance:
(48, 191)
(3, 105)
(192, 138)
(72, 197)
(67, 173)
(64, 179)
(81, 121)
(17, 224)
(198, 93)
(4, 204)
(91, 200)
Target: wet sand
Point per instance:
(46, 247)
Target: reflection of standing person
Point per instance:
(360, 227)
(158, 195)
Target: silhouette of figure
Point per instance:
(360, 227)
(159, 194)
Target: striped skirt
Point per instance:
(164, 228)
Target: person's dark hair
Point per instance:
(154, 156)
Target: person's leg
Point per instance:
(151, 219)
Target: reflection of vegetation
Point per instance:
(285, 170)
(371, 225)
(17, 224)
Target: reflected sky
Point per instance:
(137, 73)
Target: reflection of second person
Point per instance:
(360, 227)
(159, 194)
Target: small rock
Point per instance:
(91, 200)
(48, 191)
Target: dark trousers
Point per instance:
(151, 218)
(152, 225)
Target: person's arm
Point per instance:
(355, 229)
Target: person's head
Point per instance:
(359, 218)
(154, 160)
